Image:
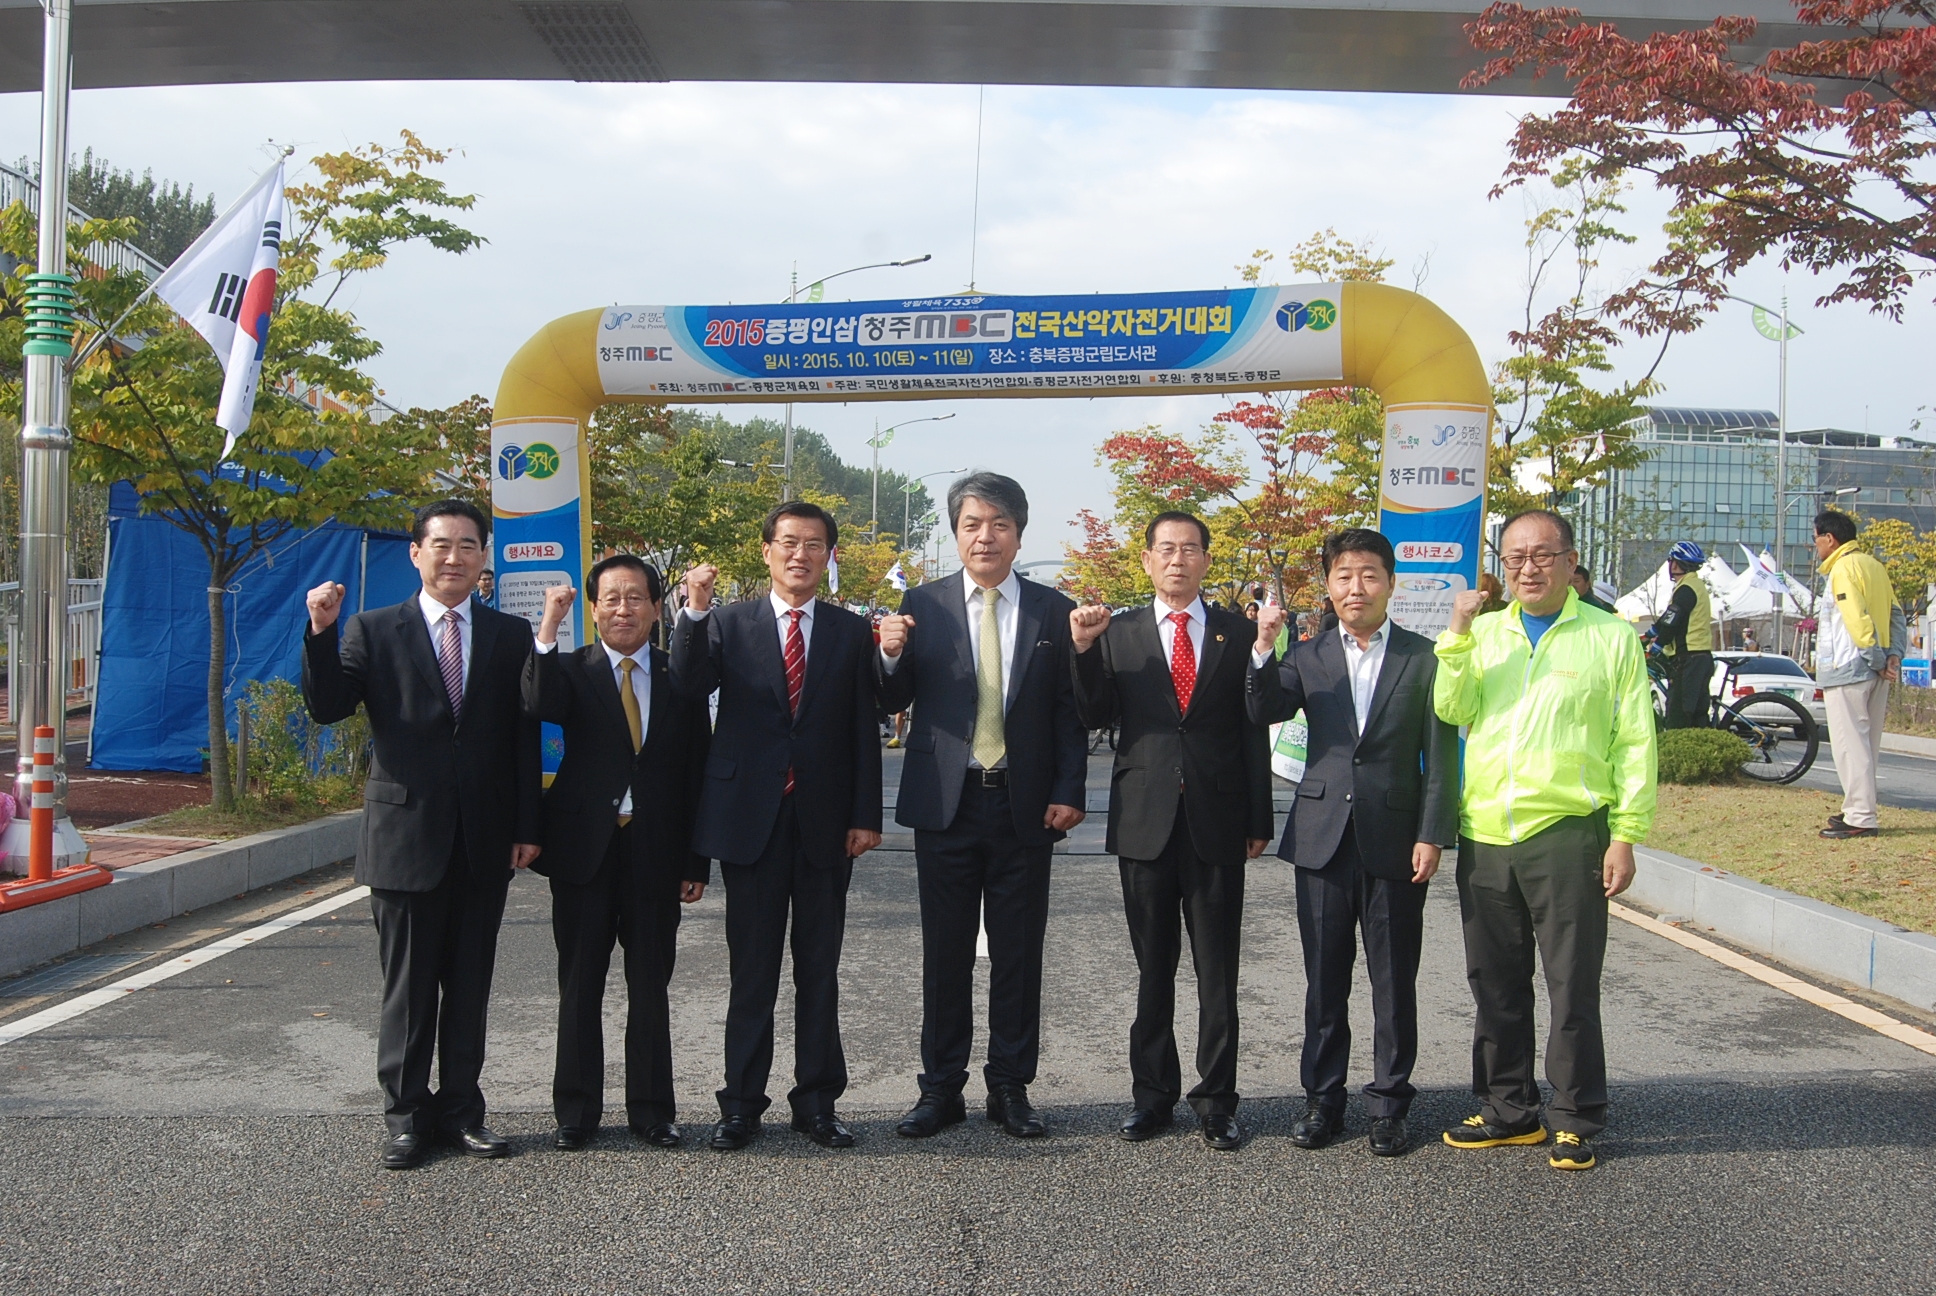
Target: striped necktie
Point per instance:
(450, 660)
(796, 672)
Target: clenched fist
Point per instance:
(1270, 624)
(1465, 606)
(558, 601)
(325, 603)
(699, 586)
(894, 634)
(1086, 625)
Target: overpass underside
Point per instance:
(1409, 45)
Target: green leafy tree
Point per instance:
(1907, 554)
(146, 415)
(167, 217)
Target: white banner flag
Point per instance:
(224, 286)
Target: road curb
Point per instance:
(144, 894)
(1908, 745)
(1836, 943)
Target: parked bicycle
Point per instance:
(1783, 739)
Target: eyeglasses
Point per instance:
(1187, 552)
(791, 545)
(628, 599)
(1537, 559)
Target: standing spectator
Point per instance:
(487, 588)
(1857, 657)
(1589, 593)
(1559, 785)
(1685, 633)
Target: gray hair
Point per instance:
(1004, 493)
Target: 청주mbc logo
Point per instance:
(536, 460)
(1316, 316)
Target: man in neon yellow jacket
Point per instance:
(1559, 787)
(1858, 652)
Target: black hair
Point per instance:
(1584, 571)
(1358, 540)
(654, 586)
(800, 509)
(449, 508)
(1175, 515)
(1560, 524)
(1004, 493)
(1836, 523)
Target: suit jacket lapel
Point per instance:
(820, 654)
(1331, 654)
(1148, 632)
(604, 685)
(483, 637)
(1213, 647)
(1397, 658)
(1028, 624)
(765, 628)
(954, 601)
(661, 715)
(416, 646)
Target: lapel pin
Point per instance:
(1219, 638)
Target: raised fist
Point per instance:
(894, 633)
(699, 586)
(557, 606)
(325, 604)
(1465, 606)
(1086, 625)
(1270, 624)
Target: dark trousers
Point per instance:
(1689, 690)
(758, 898)
(977, 873)
(1546, 891)
(636, 904)
(438, 949)
(1209, 899)
(1334, 905)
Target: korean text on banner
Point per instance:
(538, 527)
(1432, 507)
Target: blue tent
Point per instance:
(151, 707)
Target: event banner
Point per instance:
(1230, 339)
(538, 528)
(1432, 507)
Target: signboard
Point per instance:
(1432, 506)
(1129, 344)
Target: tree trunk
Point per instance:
(222, 789)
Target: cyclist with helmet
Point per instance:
(1685, 633)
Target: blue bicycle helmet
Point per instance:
(1686, 553)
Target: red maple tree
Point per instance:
(1816, 153)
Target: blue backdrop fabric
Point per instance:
(151, 709)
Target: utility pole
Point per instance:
(1781, 466)
(41, 676)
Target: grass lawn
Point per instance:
(252, 815)
(1768, 834)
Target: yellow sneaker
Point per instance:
(1477, 1132)
(1570, 1152)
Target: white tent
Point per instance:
(1649, 598)
(1749, 597)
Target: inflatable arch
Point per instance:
(1302, 337)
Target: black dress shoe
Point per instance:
(735, 1132)
(658, 1134)
(571, 1138)
(1389, 1136)
(1317, 1126)
(1145, 1123)
(934, 1113)
(1009, 1105)
(1221, 1131)
(1842, 832)
(825, 1129)
(403, 1151)
(478, 1141)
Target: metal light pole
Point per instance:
(793, 293)
(880, 438)
(44, 444)
(1780, 333)
(907, 498)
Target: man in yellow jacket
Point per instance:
(1559, 787)
(1858, 652)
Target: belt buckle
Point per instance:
(993, 778)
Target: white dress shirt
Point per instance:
(780, 609)
(433, 615)
(1363, 665)
(1166, 628)
(641, 689)
(1007, 619)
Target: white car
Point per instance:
(1762, 672)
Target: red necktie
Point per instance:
(1183, 661)
(796, 672)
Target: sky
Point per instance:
(591, 195)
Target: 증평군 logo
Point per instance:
(536, 460)
(1317, 316)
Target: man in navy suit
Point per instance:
(993, 779)
(1379, 800)
(792, 796)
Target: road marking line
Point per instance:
(175, 966)
(1860, 1014)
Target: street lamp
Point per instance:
(814, 290)
(1774, 326)
(907, 497)
(881, 437)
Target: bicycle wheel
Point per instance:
(1780, 734)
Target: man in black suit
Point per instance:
(792, 796)
(992, 780)
(617, 841)
(1189, 802)
(450, 809)
(1378, 801)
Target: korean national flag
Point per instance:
(896, 576)
(224, 285)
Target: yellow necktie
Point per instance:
(990, 743)
(630, 701)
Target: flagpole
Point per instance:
(40, 683)
(1781, 464)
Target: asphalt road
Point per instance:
(219, 1132)
(1906, 781)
